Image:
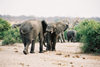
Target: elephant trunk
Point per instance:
(23, 32)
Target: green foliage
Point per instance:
(88, 32)
(4, 26)
(12, 36)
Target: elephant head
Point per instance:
(51, 28)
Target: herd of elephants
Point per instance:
(48, 33)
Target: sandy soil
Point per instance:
(66, 55)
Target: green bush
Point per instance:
(88, 32)
(4, 26)
(11, 36)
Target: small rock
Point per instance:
(83, 57)
(16, 51)
(59, 53)
(71, 62)
(67, 55)
(72, 66)
(73, 57)
(77, 56)
(59, 63)
(21, 64)
(27, 65)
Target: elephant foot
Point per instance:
(32, 52)
(47, 49)
(53, 50)
(25, 52)
(40, 51)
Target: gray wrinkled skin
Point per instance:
(53, 31)
(29, 31)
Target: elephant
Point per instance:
(29, 31)
(61, 37)
(16, 25)
(53, 31)
(71, 34)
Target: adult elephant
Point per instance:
(29, 31)
(71, 34)
(53, 31)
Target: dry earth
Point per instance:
(66, 55)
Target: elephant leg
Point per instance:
(49, 46)
(32, 46)
(54, 43)
(71, 39)
(63, 38)
(49, 41)
(41, 43)
(41, 47)
(26, 45)
(68, 39)
(58, 39)
(74, 39)
(44, 43)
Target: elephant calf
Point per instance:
(29, 31)
(53, 31)
(71, 34)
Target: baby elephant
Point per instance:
(71, 35)
(29, 31)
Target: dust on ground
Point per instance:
(66, 55)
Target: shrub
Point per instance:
(4, 26)
(12, 36)
(88, 32)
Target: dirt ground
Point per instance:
(66, 55)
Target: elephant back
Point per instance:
(28, 26)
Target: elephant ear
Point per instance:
(44, 25)
(66, 27)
